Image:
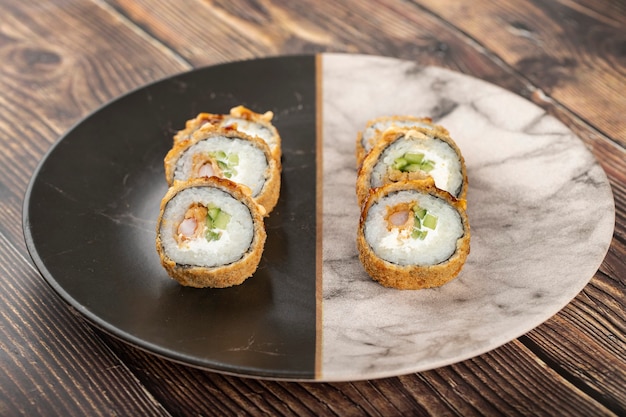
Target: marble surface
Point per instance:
(540, 208)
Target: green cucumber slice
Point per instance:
(428, 166)
(414, 158)
(412, 168)
(213, 235)
(212, 212)
(399, 163)
(430, 221)
(419, 212)
(221, 220)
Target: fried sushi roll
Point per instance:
(413, 235)
(229, 154)
(241, 119)
(405, 154)
(210, 233)
(375, 128)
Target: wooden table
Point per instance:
(63, 59)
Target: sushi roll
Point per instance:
(376, 127)
(413, 235)
(404, 154)
(210, 233)
(241, 119)
(229, 154)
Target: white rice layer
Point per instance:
(447, 173)
(370, 133)
(251, 128)
(251, 170)
(399, 247)
(233, 243)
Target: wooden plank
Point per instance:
(261, 28)
(511, 381)
(567, 49)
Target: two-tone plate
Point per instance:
(540, 208)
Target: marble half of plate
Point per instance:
(540, 208)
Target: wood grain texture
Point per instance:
(262, 28)
(570, 51)
(63, 59)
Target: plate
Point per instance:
(540, 208)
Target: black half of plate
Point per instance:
(90, 213)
